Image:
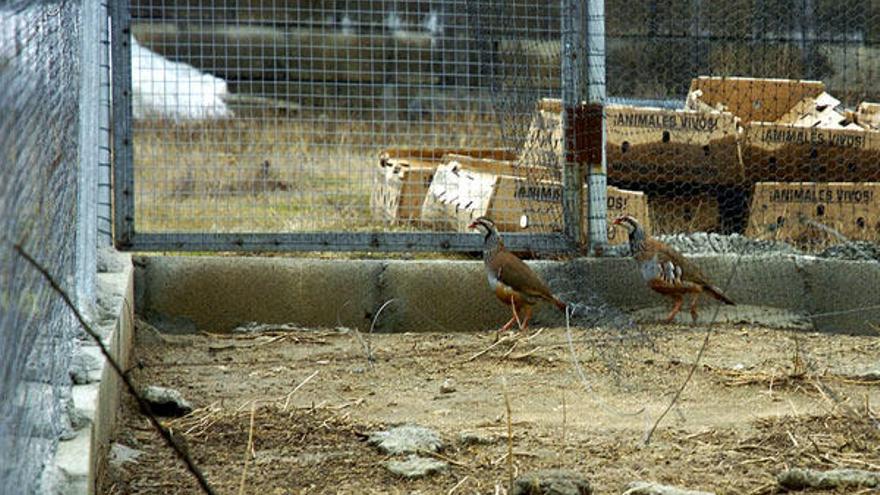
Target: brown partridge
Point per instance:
(666, 271)
(514, 283)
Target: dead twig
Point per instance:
(448, 459)
(484, 351)
(507, 353)
(509, 436)
(295, 389)
(525, 354)
(457, 485)
(248, 450)
(563, 419)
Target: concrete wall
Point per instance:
(219, 293)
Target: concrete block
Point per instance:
(758, 284)
(220, 293)
(72, 465)
(85, 398)
(844, 296)
(439, 296)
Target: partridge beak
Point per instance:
(472, 225)
(616, 221)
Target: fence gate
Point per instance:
(356, 125)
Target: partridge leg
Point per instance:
(694, 306)
(507, 325)
(679, 300)
(527, 315)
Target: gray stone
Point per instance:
(166, 401)
(552, 482)
(649, 488)
(854, 250)
(447, 387)
(72, 419)
(86, 365)
(111, 260)
(479, 438)
(799, 479)
(712, 243)
(120, 454)
(406, 439)
(416, 467)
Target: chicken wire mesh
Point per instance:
(39, 139)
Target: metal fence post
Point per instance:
(122, 145)
(597, 183)
(574, 92)
(583, 100)
(87, 200)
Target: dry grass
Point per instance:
(246, 175)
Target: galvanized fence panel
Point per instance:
(309, 125)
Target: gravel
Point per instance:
(712, 243)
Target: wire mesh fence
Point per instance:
(306, 117)
(421, 115)
(39, 139)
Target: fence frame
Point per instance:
(127, 238)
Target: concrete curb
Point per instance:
(220, 293)
(78, 461)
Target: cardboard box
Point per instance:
(653, 145)
(697, 212)
(403, 177)
(791, 153)
(815, 212)
(750, 99)
(457, 196)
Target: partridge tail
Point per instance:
(717, 294)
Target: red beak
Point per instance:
(472, 225)
(617, 221)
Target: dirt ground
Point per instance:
(760, 401)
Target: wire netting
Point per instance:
(39, 108)
(295, 117)
(421, 115)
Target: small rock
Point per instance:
(648, 488)
(799, 479)
(416, 467)
(479, 438)
(447, 387)
(552, 482)
(166, 401)
(86, 366)
(72, 419)
(111, 261)
(120, 454)
(406, 439)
